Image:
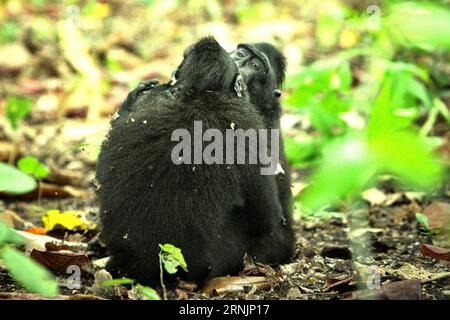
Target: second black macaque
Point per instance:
(216, 213)
(263, 69)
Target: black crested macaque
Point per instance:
(263, 68)
(214, 212)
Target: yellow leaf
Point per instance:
(68, 219)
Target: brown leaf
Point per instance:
(60, 261)
(7, 149)
(434, 252)
(32, 296)
(221, 285)
(400, 290)
(438, 214)
(338, 284)
(13, 220)
(39, 242)
(51, 246)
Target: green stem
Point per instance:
(161, 272)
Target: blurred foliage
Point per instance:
(30, 274)
(390, 100)
(369, 77)
(147, 292)
(17, 109)
(14, 181)
(33, 166)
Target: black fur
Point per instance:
(214, 213)
(262, 88)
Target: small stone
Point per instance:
(293, 293)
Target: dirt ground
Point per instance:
(332, 254)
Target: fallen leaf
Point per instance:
(400, 290)
(32, 296)
(59, 261)
(36, 230)
(338, 284)
(221, 285)
(410, 272)
(49, 191)
(392, 198)
(50, 246)
(438, 214)
(7, 149)
(434, 252)
(13, 220)
(374, 196)
(39, 242)
(69, 220)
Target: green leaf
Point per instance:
(8, 235)
(420, 24)
(347, 167)
(119, 281)
(345, 75)
(298, 152)
(407, 155)
(17, 109)
(14, 181)
(28, 273)
(148, 292)
(417, 89)
(172, 258)
(423, 220)
(8, 31)
(33, 166)
(439, 105)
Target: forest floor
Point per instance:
(380, 243)
(380, 250)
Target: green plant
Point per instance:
(389, 103)
(24, 270)
(34, 167)
(14, 181)
(147, 292)
(17, 109)
(171, 258)
(8, 31)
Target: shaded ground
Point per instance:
(324, 267)
(123, 42)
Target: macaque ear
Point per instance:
(277, 93)
(174, 76)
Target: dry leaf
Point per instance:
(221, 285)
(7, 149)
(438, 214)
(13, 220)
(59, 261)
(34, 241)
(374, 196)
(434, 252)
(399, 290)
